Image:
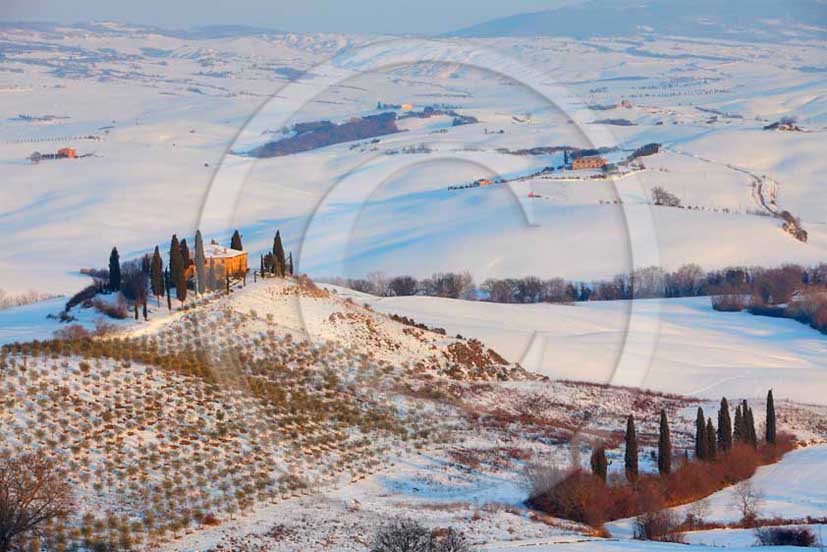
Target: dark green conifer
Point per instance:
(235, 242)
(200, 261)
(600, 466)
(156, 275)
(711, 445)
(770, 430)
(664, 445)
(279, 260)
(114, 270)
(724, 427)
(175, 261)
(700, 435)
(630, 457)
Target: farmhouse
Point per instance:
(233, 261)
(588, 163)
(62, 153)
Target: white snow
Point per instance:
(698, 351)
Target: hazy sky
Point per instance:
(353, 16)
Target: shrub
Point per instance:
(785, 536)
(730, 302)
(661, 196)
(404, 535)
(579, 496)
(73, 332)
(660, 525)
(116, 310)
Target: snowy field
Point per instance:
(167, 109)
(697, 351)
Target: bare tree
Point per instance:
(747, 500)
(33, 491)
(696, 513)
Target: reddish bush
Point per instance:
(584, 498)
(579, 497)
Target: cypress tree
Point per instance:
(752, 436)
(600, 466)
(156, 275)
(114, 270)
(738, 425)
(145, 264)
(167, 285)
(770, 433)
(700, 435)
(235, 241)
(146, 317)
(185, 256)
(711, 450)
(290, 264)
(664, 445)
(724, 427)
(175, 261)
(630, 457)
(279, 260)
(200, 263)
(181, 286)
(211, 285)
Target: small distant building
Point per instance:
(484, 182)
(62, 153)
(588, 163)
(233, 261)
(407, 107)
(627, 104)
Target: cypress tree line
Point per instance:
(600, 466)
(664, 445)
(711, 447)
(724, 427)
(200, 263)
(770, 430)
(700, 435)
(114, 270)
(156, 275)
(630, 457)
(235, 241)
(175, 261)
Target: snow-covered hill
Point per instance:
(696, 351)
(168, 107)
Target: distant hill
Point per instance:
(756, 20)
